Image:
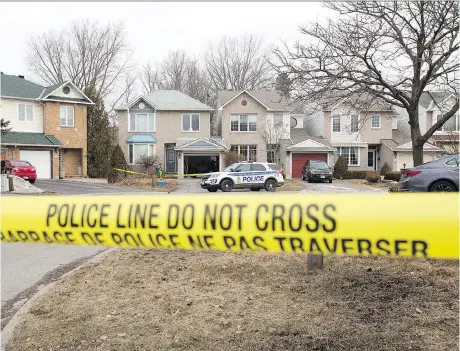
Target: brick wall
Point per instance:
(70, 137)
(71, 161)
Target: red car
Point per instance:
(22, 169)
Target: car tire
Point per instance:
(270, 185)
(330, 180)
(32, 181)
(226, 185)
(212, 190)
(442, 186)
(308, 180)
(255, 189)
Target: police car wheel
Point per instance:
(270, 185)
(255, 189)
(226, 185)
(212, 190)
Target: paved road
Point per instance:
(25, 265)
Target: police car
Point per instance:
(252, 175)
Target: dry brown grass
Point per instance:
(146, 182)
(175, 300)
(291, 185)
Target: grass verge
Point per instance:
(291, 185)
(176, 300)
(146, 182)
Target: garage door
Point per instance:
(41, 160)
(298, 161)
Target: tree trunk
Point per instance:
(417, 145)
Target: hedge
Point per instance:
(393, 176)
(355, 175)
(372, 177)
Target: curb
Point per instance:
(8, 330)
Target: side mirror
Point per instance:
(231, 169)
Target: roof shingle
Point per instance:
(22, 138)
(14, 86)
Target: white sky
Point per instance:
(154, 29)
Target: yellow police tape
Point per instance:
(415, 225)
(168, 175)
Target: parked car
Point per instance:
(22, 169)
(316, 170)
(252, 175)
(438, 175)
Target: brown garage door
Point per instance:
(298, 161)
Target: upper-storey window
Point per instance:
(142, 122)
(25, 112)
(452, 124)
(67, 116)
(375, 121)
(243, 123)
(277, 120)
(191, 122)
(354, 123)
(336, 124)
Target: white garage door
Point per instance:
(41, 160)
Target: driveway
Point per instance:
(338, 186)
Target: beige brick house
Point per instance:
(172, 126)
(48, 126)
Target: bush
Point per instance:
(341, 167)
(355, 175)
(372, 177)
(385, 169)
(393, 188)
(148, 161)
(232, 157)
(117, 160)
(396, 176)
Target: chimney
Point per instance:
(21, 76)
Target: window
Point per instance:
(335, 124)
(375, 121)
(453, 162)
(452, 124)
(243, 123)
(249, 152)
(257, 168)
(350, 153)
(245, 167)
(26, 112)
(67, 114)
(190, 122)
(277, 120)
(141, 122)
(135, 151)
(271, 156)
(354, 123)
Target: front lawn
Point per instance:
(291, 185)
(139, 181)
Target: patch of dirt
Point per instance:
(177, 300)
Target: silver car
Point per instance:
(439, 175)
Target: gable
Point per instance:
(408, 146)
(202, 144)
(66, 92)
(141, 105)
(309, 143)
(240, 99)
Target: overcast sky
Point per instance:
(153, 29)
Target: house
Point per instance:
(48, 126)
(175, 128)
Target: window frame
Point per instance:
(372, 122)
(67, 125)
(249, 115)
(149, 152)
(340, 149)
(190, 114)
(332, 123)
(457, 124)
(280, 115)
(154, 116)
(25, 112)
(249, 147)
(351, 123)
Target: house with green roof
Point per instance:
(48, 126)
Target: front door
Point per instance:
(171, 161)
(371, 164)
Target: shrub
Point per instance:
(393, 188)
(341, 167)
(148, 161)
(355, 175)
(396, 176)
(385, 169)
(232, 157)
(372, 177)
(117, 160)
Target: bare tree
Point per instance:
(150, 78)
(239, 63)
(86, 53)
(272, 135)
(391, 50)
